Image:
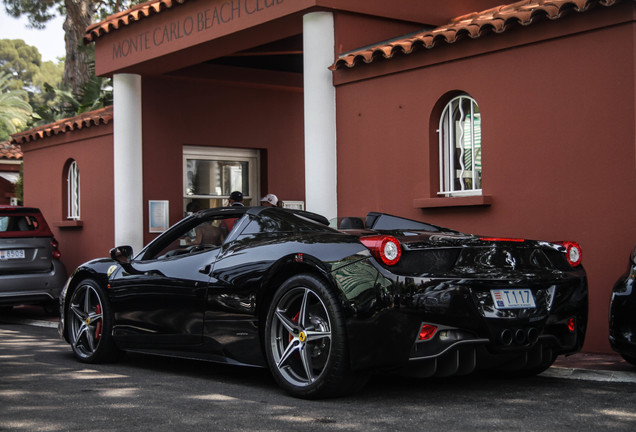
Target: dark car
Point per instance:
(622, 316)
(30, 269)
(325, 308)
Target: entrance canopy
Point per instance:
(166, 35)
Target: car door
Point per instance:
(159, 300)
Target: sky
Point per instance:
(49, 41)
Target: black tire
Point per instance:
(305, 340)
(629, 359)
(89, 324)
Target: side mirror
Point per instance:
(122, 254)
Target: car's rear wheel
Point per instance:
(306, 342)
(90, 322)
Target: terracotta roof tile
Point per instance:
(93, 118)
(127, 17)
(473, 25)
(10, 151)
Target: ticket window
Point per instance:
(211, 174)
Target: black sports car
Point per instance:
(622, 316)
(324, 308)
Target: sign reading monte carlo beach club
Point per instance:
(196, 22)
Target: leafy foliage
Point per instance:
(20, 60)
(78, 14)
(38, 12)
(15, 110)
(61, 102)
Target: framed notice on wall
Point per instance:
(297, 205)
(158, 216)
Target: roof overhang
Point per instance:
(161, 36)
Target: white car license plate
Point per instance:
(11, 254)
(513, 298)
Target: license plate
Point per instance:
(11, 254)
(513, 298)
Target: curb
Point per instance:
(590, 375)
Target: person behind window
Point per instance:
(206, 233)
(192, 207)
(270, 200)
(236, 199)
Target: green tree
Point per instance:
(20, 60)
(23, 63)
(79, 15)
(15, 110)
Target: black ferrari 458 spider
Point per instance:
(324, 308)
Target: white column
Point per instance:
(128, 172)
(320, 114)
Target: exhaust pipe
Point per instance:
(520, 337)
(505, 337)
(533, 335)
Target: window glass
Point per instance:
(211, 174)
(18, 223)
(270, 221)
(216, 177)
(73, 191)
(460, 147)
(193, 236)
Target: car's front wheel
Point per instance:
(629, 359)
(90, 322)
(306, 341)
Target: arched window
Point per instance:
(460, 148)
(73, 191)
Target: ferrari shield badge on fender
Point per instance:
(111, 270)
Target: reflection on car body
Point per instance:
(323, 308)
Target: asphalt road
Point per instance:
(43, 388)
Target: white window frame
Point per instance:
(73, 191)
(460, 130)
(251, 156)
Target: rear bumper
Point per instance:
(471, 334)
(32, 287)
(453, 351)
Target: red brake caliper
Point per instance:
(98, 327)
(294, 319)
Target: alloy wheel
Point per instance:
(300, 337)
(86, 320)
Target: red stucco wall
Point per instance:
(207, 113)
(45, 185)
(558, 147)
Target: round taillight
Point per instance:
(573, 252)
(385, 248)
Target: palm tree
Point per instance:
(15, 110)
